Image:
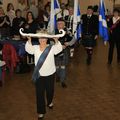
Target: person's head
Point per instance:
(90, 10)
(33, 2)
(2, 11)
(18, 13)
(43, 41)
(47, 8)
(21, 2)
(71, 11)
(60, 24)
(10, 7)
(116, 12)
(67, 6)
(29, 16)
(63, 6)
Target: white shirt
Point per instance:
(48, 67)
(115, 19)
(65, 13)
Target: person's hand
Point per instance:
(55, 39)
(66, 44)
(29, 39)
(27, 26)
(21, 23)
(96, 37)
(108, 19)
(5, 19)
(105, 43)
(63, 46)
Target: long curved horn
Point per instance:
(39, 35)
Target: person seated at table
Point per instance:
(10, 12)
(18, 23)
(4, 24)
(31, 26)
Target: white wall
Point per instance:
(83, 5)
(108, 4)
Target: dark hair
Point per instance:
(60, 19)
(9, 6)
(95, 8)
(90, 7)
(18, 10)
(116, 10)
(31, 14)
(45, 8)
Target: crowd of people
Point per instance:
(37, 18)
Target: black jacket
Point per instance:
(115, 34)
(90, 25)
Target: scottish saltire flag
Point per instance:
(76, 20)
(103, 30)
(55, 8)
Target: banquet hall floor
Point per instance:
(92, 93)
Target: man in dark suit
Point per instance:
(114, 40)
(89, 32)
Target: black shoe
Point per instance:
(57, 78)
(63, 85)
(88, 61)
(109, 63)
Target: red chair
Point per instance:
(10, 57)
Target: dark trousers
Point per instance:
(44, 86)
(112, 44)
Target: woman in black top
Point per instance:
(31, 26)
(18, 22)
(4, 24)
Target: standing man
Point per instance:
(62, 57)
(69, 26)
(89, 32)
(114, 25)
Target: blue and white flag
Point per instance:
(103, 30)
(76, 20)
(55, 8)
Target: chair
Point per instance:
(10, 57)
(2, 72)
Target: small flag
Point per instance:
(103, 30)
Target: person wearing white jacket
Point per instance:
(45, 83)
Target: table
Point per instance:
(18, 44)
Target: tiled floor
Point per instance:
(93, 92)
